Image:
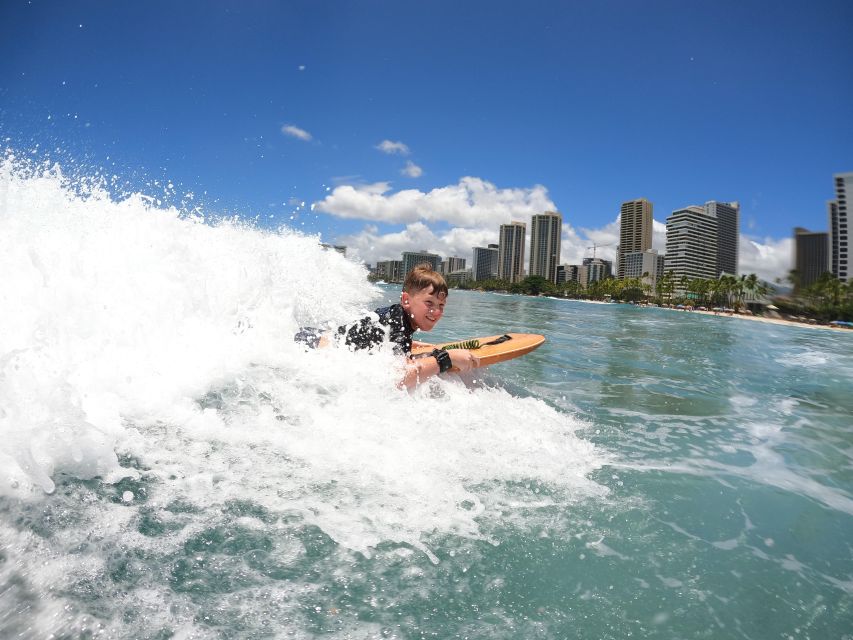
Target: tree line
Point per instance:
(827, 299)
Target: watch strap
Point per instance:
(443, 359)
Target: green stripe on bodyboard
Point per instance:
(467, 344)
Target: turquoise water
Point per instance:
(729, 512)
(173, 466)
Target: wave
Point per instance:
(152, 346)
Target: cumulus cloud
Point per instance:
(472, 203)
(412, 170)
(474, 209)
(768, 258)
(370, 245)
(296, 132)
(574, 244)
(390, 147)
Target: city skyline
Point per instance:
(343, 121)
(701, 242)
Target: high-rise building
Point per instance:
(461, 276)
(728, 235)
(390, 270)
(545, 232)
(839, 226)
(511, 251)
(691, 244)
(702, 242)
(646, 265)
(452, 264)
(635, 231)
(832, 214)
(567, 273)
(811, 256)
(594, 269)
(413, 258)
(485, 265)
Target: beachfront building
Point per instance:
(728, 235)
(568, 273)
(485, 264)
(511, 251)
(389, 270)
(839, 226)
(691, 244)
(545, 232)
(413, 258)
(702, 242)
(461, 276)
(811, 256)
(452, 264)
(646, 265)
(594, 269)
(635, 231)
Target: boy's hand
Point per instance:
(463, 360)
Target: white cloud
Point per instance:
(390, 147)
(472, 203)
(370, 245)
(412, 170)
(296, 132)
(768, 258)
(475, 209)
(574, 245)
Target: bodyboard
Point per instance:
(490, 349)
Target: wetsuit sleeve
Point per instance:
(309, 336)
(364, 334)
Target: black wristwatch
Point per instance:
(443, 359)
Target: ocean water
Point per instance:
(173, 466)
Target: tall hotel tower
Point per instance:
(728, 235)
(691, 244)
(411, 259)
(839, 226)
(545, 232)
(511, 251)
(811, 256)
(702, 242)
(485, 266)
(635, 231)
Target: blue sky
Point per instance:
(489, 111)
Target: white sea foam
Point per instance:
(805, 359)
(132, 329)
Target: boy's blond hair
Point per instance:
(423, 276)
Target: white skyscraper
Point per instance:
(691, 244)
(702, 242)
(413, 258)
(545, 232)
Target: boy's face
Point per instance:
(424, 308)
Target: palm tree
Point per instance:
(666, 285)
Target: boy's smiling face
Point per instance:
(423, 308)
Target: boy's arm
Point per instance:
(421, 369)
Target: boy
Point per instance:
(420, 308)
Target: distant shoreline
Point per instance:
(740, 316)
